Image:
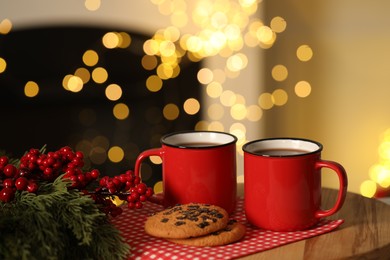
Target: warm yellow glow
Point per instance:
(265, 101)
(179, 19)
(116, 154)
(215, 111)
(154, 83)
(237, 62)
(111, 40)
(158, 187)
(278, 24)
(149, 62)
(75, 84)
(155, 159)
(384, 150)
(279, 97)
(264, 34)
(113, 92)
(228, 98)
(171, 111)
(205, 76)
(191, 106)
(99, 75)
(279, 72)
(83, 74)
(3, 65)
(92, 5)
(201, 125)
(31, 89)
(90, 58)
(216, 126)
(368, 188)
(380, 173)
(121, 111)
(65, 81)
(254, 113)
(238, 111)
(302, 89)
(304, 53)
(5, 26)
(214, 89)
(124, 40)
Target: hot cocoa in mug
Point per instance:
(197, 166)
(282, 183)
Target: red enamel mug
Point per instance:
(282, 183)
(197, 166)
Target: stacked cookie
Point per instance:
(195, 224)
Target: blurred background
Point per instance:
(110, 78)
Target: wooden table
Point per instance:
(365, 234)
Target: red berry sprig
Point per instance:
(36, 166)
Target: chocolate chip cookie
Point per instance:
(185, 221)
(233, 232)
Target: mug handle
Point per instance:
(156, 198)
(343, 180)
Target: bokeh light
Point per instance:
(31, 89)
(3, 65)
(121, 111)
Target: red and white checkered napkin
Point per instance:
(143, 246)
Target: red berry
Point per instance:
(8, 183)
(21, 183)
(3, 160)
(138, 205)
(95, 174)
(32, 187)
(10, 170)
(7, 194)
(141, 188)
(149, 192)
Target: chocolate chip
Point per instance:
(164, 220)
(203, 224)
(179, 223)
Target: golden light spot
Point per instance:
(279, 97)
(110, 40)
(5, 26)
(239, 130)
(205, 76)
(201, 125)
(171, 111)
(216, 126)
(228, 98)
(215, 111)
(219, 76)
(302, 89)
(65, 81)
(154, 83)
(116, 154)
(151, 47)
(304, 53)
(238, 111)
(191, 106)
(237, 62)
(164, 71)
(121, 111)
(99, 75)
(92, 5)
(83, 74)
(75, 84)
(149, 62)
(31, 89)
(125, 40)
(3, 65)
(368, 188)
(264, 34)
(113, 92)
(265, 101)
(254, 113)
(155, 159)
(90, 58)
(279, 72)
(278, 24)
(172, 33)
(158, 187)
(214, 89)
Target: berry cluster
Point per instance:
(126, 186)
(36, 166)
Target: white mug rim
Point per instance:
(172, 139)
(256, 144)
